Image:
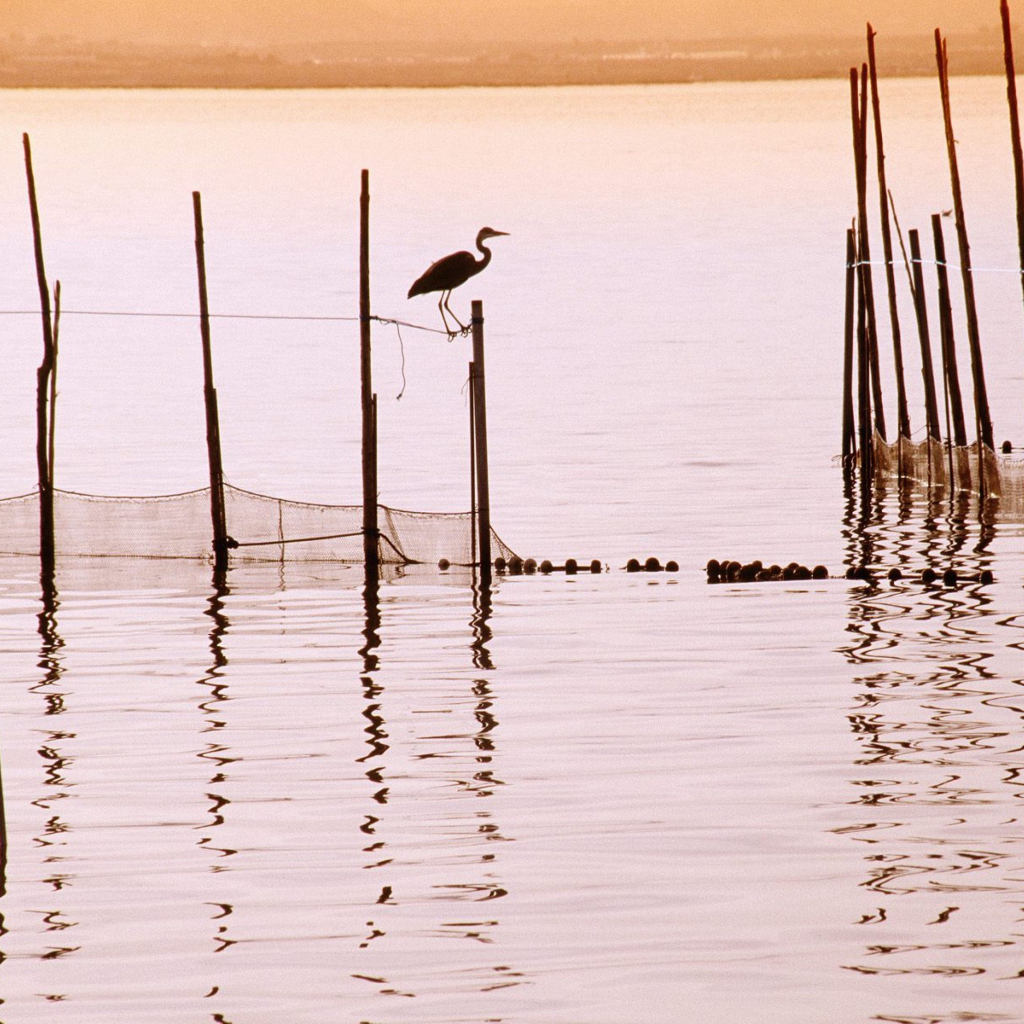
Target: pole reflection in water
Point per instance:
(376, 734)
(938, 725)
(54, 838)
(215, 753)
(431, 847)
(480, 625)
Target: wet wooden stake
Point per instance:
(951, 374)
(47, 546)
(1018, 157)
(849, 440)
(973, 337)
(890, 275)
(867, 451)
(218, 514)
(472, 463)
(483, 487)
(51, 440)
(371, 530)
(924, 335)
(858, 104)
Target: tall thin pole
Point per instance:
(1018, 157)
(927, 368)
(858, 102)
(973, 337)
(217, 511)
(46, 532)
(867, 450)
(483, 487)
(371, 532)
(951, 373)
(849, 442)
(890, 273)
(472, 464)
(51, 440)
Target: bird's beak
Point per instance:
(499, 233)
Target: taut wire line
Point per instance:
(242, 316)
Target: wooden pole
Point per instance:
(849, 440)
(867, 451)
(858, 102)
(924, 335)
(472, 464)
(1018, 157)
(217, 511)
(973, 337)
(4, 843)
(51, 440)
(890, 274)
(371, 531)
(483, 489)
(951, 373)
(47, 545)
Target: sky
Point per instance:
(262, 23)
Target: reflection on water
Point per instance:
(422, 847)
(937, 720)
(53, 841)
(273, 859)
(216, 756)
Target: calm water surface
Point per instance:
(599, 800)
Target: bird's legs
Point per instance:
(444, 319)
(447, 296)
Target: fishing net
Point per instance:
(266, 529)
(972, 469)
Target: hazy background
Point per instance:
(265, 23)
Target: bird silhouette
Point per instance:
(451, 271)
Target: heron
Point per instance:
(451, 271)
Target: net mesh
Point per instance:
(965, 468)
(267, 529)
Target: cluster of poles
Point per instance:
(222, 542)
(863, 412)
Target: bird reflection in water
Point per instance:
(453, 270)
(938, 728)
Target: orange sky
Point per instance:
(264, 22)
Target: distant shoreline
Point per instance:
(63, 64)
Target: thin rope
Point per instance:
(936, 263)
(241, 316)
(401, 346)
(294, 540)
(180, 316)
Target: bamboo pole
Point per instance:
(890, 275)
(217, 510)
(951, 373)
(849, 440)
(924, 335)
(371, 530)
(973, 337)
(483, 489)
(1018, 157)
(858, 103)
(47, 545)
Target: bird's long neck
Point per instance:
(487, 254)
